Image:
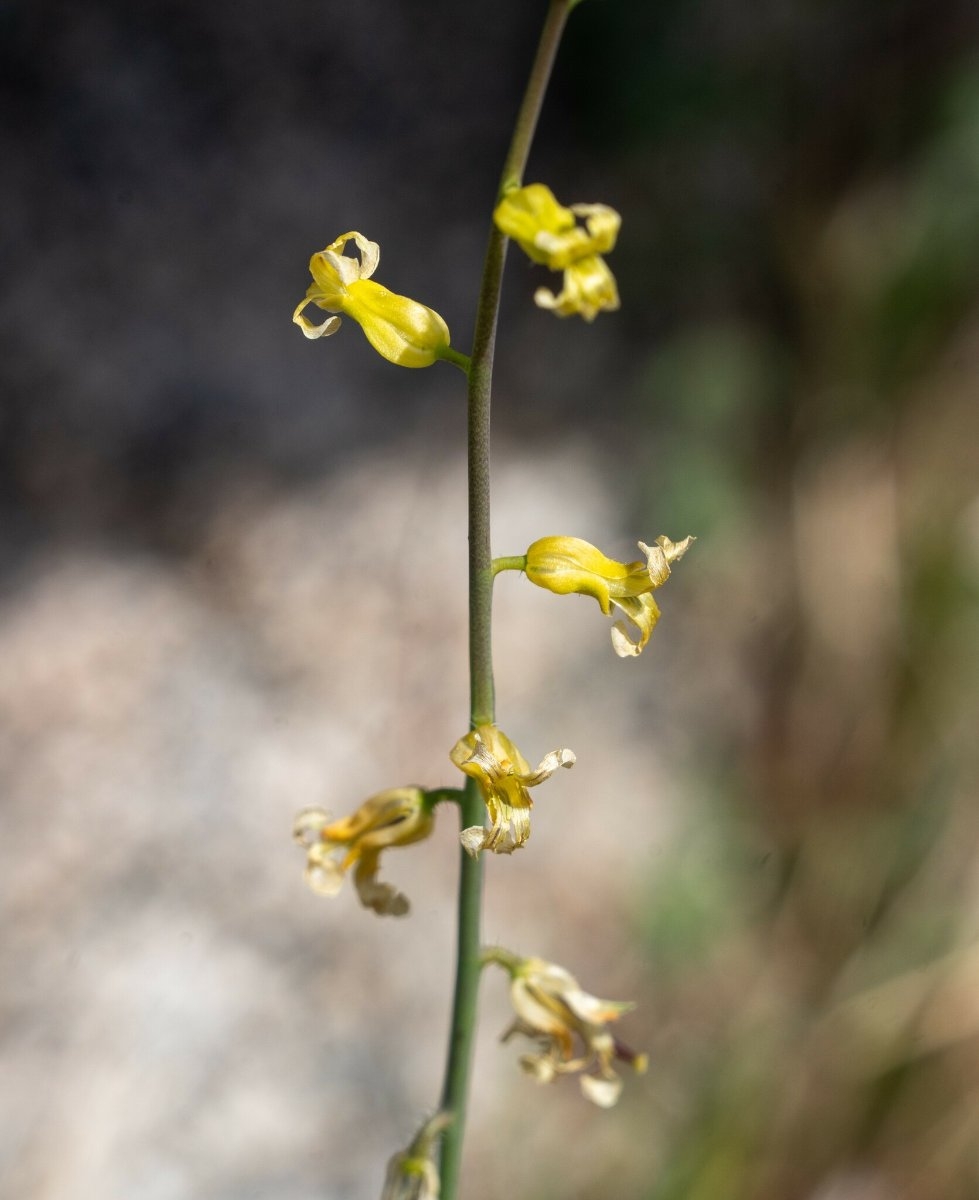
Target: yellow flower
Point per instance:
(568, 564)
(569, 1025)
(504, 775)
(396, 817)
(549, 234)
(411, 1173)
(400, 330)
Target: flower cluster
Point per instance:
(569, 1027)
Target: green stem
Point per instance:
(512, 562)
(456, 358)
(455, 1091)
(435, 796)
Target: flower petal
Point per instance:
(535, 220)
(603, 1092)
(401, 330)
(323, 873)
(547, 766)
(644, 612)
(589, 288)
(382, 898)
(326, 329)
(603, 224)
(474, 839)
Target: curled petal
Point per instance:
(661, 556)
(326, 329)
(382, 898)
(644, 612)
(370, 252)
(548, 765)
(603, 224)
(589, 288)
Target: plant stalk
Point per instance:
(455, 1091)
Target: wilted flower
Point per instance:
(549, 234)
(400, 330)
(487, 755)
(568, 1024)
(396, 817)
(411, 1173)
(568, 564)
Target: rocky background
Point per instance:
(233, 586)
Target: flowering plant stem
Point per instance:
(468, 965)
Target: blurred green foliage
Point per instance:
(810, 390)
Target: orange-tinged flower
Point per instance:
(397, 817)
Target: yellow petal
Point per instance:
(547, 766)
(568, 564)
(548, 233)
(603, 225)
(332, 269)
(644, 612)
(400, 329)
(328, 327)
(589, 288)
(529, 215)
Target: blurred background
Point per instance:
(233, 586)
